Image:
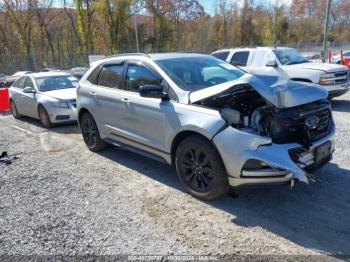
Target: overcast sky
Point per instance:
(209, 5)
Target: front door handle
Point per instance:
(92, 93)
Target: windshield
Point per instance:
(50, 83)
(196, 73)
(290, 56)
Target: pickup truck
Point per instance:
(290, 63)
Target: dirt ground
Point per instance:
(58, 198)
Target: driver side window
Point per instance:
(137, 76)
(28, 83)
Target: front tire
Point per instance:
(44, 117)
(90, 133)
(200, 168)
(14, 110)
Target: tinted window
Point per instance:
(110, 76)
(137, 76)
(221, 55)
(240, 58)
(28, 83)
(50, 83)
(198, 72)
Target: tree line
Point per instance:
(61, 33)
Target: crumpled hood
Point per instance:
(62, 94)
(279, 91)
(318, 66)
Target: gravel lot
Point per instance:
(60, 198)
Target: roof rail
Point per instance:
(128, 54)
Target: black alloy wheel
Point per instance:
(200, 168)
(197, 169)
(90, 133)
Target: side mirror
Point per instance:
(28, 90)
(272, 63)
(153, 91)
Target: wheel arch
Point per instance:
(181, 136)
(82, 111)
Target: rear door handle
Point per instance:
(92, 93)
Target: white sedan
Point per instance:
(48, 96)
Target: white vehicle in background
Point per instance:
(48, 96)
(288, 61)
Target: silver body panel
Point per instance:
(151, 125)
(27, 103)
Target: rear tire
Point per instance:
(90, 133)
(200, 168)
(14, 110)
(44, 117)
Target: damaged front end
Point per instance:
(270, 136)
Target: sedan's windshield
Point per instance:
(290, 56)
(50, 83)
(195, 73)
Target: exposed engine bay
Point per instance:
(243, 107)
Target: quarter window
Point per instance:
(110, 76)
(240, 58)
(137, 76)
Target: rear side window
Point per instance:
(110, 76)
(221, 55)
(240, 58)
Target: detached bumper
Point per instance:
(253, 160)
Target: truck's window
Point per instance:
(240, 58)
(258, 59)
(221, 55)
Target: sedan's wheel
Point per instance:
(200, 168)
(90, 133)
(14, 110)
(44, 117)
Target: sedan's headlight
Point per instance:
(59, 104)
(327, 79)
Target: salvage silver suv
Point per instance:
(217, 125)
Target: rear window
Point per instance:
(221, 55)
(240, 58)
